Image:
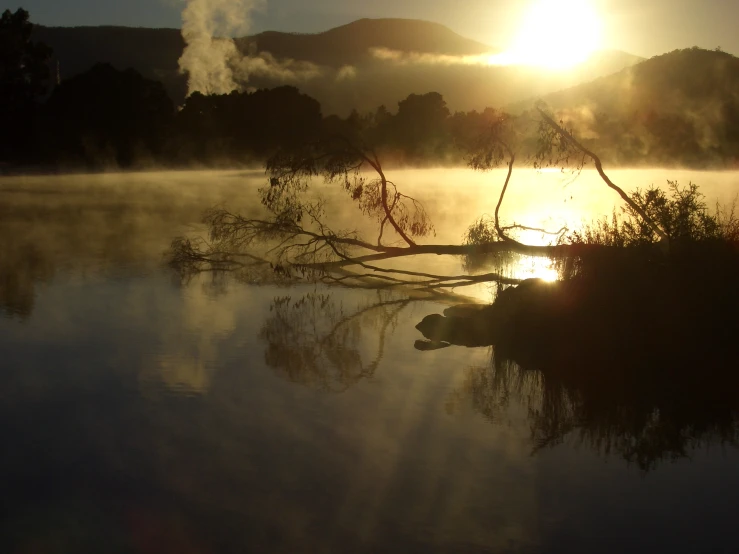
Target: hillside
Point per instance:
(350, 44)
(151, 52)
(684, 76)
(677, 108)
(155, 53)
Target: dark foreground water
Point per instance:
(143, 414)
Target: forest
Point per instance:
(108, 118)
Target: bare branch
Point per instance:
(568, 137)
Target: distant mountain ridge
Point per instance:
(677, 108)
(693, 74)
(155, 52)
(351, 43)
(152, 52)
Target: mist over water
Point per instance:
(120, 220)
(214, 415)
(177, 378)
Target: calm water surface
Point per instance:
(144, 414)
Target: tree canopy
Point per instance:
(24, 80)
(106, 116)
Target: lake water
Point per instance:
(141, 413)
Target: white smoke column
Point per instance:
(207, 60)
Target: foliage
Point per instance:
(243, 125)
(24, 78)
(420, 127)
(342, 158)
(482, 231)
(24, 73)
(107, 117)
(488, 138)
(681, 212)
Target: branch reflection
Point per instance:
(22, 265)
(643, 418)
(318, 339)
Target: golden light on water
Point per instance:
(520, 268)
(555, 34)
(536, 268)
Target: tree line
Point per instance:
(106, 118)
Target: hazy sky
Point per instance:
(644, 27)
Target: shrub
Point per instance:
(682, 215)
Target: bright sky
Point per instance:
(643, 27)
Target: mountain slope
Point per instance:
(350, 44)
(371, 82)
(677, 108)
(690, 76)
(151, 52)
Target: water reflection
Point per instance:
(97, 224)
(644, 414)
(98, 462)
(140, 414)
(190, 351)
(645, 424)
(22, 265)
(320, 340)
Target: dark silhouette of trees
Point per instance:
(646, 418)
(679, 108)
(663, 121)
(106, 117)
(24, 80)
(250, 127)
(296, 233)
(420, 128)
(244, 126)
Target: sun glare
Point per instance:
(555, 34)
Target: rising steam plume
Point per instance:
(213, 62)
(208, 60)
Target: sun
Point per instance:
(556, 34)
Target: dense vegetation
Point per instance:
(632, 351)
(676, 109)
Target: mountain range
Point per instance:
(679, 107)
(361, 65)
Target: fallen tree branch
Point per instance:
(568, 137)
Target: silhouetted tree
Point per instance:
(420, 127)
(243, 126)
(107, 117)
(296, 233)
(24, 79)
(646, 417)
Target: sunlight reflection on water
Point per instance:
(210, 416)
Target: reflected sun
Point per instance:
(555, 34)
(534, 268)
